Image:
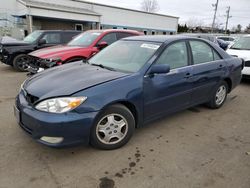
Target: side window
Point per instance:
(123, 35)
(109, 38)
(216, 56)
(175, 56)
(202, 53)
(67, 36)
(52, 38)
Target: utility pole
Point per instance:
(228, 16)
(215, 12)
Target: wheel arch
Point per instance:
(132, 108)
(229, 84)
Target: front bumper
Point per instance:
(246, 71)
(73, 127)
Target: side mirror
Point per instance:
(102, 45)
(159, 69)
(42, 41)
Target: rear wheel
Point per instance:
(21, 62)
(113, 128)
(219, 96)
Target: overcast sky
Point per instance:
(195, 10)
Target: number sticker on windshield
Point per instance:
(150, 46)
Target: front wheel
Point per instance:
(219, 96)
(113, 128)
(21, 62)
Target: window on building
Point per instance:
(52, 38)
(109, 38)
(114, 27)
(153, 32)
(78, 27)
(175, 56)
(145, 32)
(164, 33)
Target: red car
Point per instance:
(82, 47)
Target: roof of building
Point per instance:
(53, 6)
(111, 6)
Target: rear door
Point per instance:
(208, 69)
(165, 93)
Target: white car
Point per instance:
(241, 49)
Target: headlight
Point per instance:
(60, 105)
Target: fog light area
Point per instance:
(52, 140)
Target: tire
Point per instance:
(218, 99)
(113, 128)
(20, 62)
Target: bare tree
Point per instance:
(150, 5)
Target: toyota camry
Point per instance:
(130, 83)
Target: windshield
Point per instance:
(242, 43)
(125, 56)
(32, 37)
(85, 39)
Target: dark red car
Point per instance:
(82, 47)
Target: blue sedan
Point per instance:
(131, 82)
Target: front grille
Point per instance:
(247, 63)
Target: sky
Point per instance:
(195, 10)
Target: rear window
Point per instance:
(124, 35)
(68, 36)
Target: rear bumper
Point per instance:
(73, 127)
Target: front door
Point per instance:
(166, 93)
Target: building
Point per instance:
(33, 15)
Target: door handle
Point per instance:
(188, 75)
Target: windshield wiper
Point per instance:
(103, 67)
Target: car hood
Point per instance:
(9, 41)
(68, 79)
(55, 51)
(244, 54)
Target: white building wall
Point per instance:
(127, 18)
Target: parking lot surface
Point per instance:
(194, 148)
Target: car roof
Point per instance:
(115, 30)
(73, 31)
(159, 38)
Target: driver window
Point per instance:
(109, 38)
(174, 55)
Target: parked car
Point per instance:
(211, 38)
(228, 39)
(82, 47)
(14, 53)
(241, 49)
(131, 82)
(223, 44)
